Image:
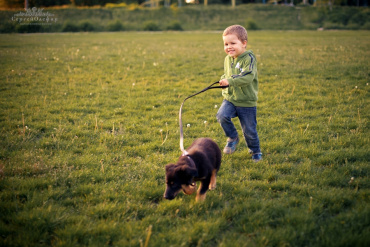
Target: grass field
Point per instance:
(89, 120)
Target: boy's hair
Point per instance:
(237, 30)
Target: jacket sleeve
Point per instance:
(248, 71)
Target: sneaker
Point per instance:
(231, 145)
(257, 157)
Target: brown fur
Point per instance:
(203, 165)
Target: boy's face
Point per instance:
(233, 46)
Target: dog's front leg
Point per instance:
(201, 194)
(212, 184)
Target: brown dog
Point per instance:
(200, 164)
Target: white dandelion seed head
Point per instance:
(188, 125)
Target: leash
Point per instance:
(184, 152)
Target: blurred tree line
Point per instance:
(51, 3)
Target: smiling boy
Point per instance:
(240, 97)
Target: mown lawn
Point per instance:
(89, 120)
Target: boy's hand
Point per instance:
(224, 82)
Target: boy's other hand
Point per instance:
(224, 82)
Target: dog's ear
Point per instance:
(169, 167)
(191, 172)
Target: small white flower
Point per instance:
(216, 106)
(188, 125)
(133, 84)
(155, 64)
(205, 122)
(161, 130)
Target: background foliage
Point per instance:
(215, 17)
(49, 3)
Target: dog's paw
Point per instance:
(200, 198)
(212, 186)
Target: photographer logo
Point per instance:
(34, 16)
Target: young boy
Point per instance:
(240, 97)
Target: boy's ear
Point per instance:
(245, 42)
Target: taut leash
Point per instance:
(180, 113)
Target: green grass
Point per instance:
(88, 121)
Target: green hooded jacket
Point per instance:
(241, 73)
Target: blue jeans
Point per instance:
(248, 121)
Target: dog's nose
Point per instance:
(168, 197)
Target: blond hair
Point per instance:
(237, 30)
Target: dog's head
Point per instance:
(179, 177)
